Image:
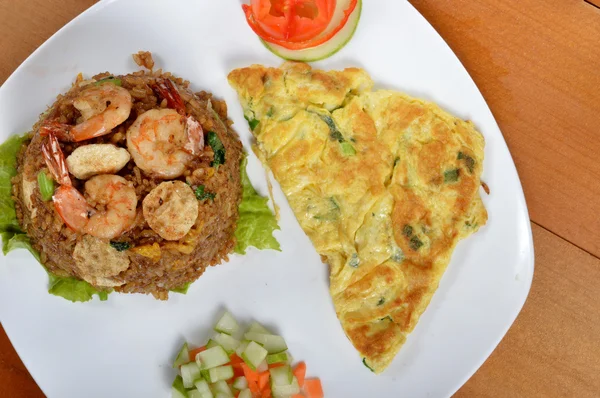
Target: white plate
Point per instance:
(124, 347)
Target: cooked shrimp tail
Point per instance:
(55, 160)
(168, 91)
(72, 207)
(62, 131)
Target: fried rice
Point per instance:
(149, 264)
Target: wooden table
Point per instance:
(537, 64)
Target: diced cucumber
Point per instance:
(272, 343)
(190, 372)
(227, 342)
(220, 373)
(182, 357)
(205, 374)
(194, 394)
(241, 347)
(202, 386)
(211, 343)
(254, 354)
(177, 389)
(221, 387)
(263, 367)
(276, 358)
(281, 376)
(227, 324)
(245, 393)
(213, 357)
(223, 395)
(283, 391)
(240, 383)
(257, 328)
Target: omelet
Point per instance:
(385, 185)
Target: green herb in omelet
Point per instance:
(257, 222)
(217, 147)
(451, 175)
(46, 185)
(251, 122)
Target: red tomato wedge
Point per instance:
(293, 20)
(298, 24)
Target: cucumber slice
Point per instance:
(257, 328)
(324, 50)
(227, 324)
(221, 387)
(254, 354)
(263, 367)
(213, 357)
(211, 343)
(182, 357)
(245, 393)
(276, 358)
(240, 383)
(194, 394)
(177, 389)
(227, 342)
(281, 376)
(190, 372)
(202, 387)
(220, 373)
(282, 391)
(272, 343)
(242, 347)
(223, 395)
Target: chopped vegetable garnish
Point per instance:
(46, 184)
(109, 79)
(415, 243)
(348, 149)
(207, 371)
(451, 175)
(120, 246)
(202, 194)
(251, 122)
(217, 147)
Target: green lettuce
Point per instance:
(182, 289)
(13, 238)
(257, 222)
(8, 169)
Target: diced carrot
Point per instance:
(313, 388)
(263, 379)
(235, 359)
(251, 377)
(237, 370)
(196, 351)
(300, 373)
(266, 392)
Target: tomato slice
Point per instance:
(284, 27)
(289, 20)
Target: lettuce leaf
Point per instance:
(13, 238)
(8, 161)
(257, 222)
(73, 289)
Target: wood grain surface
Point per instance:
(537, 64)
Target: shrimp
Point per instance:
(102, 107)
(115, 196)
(163, 141)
